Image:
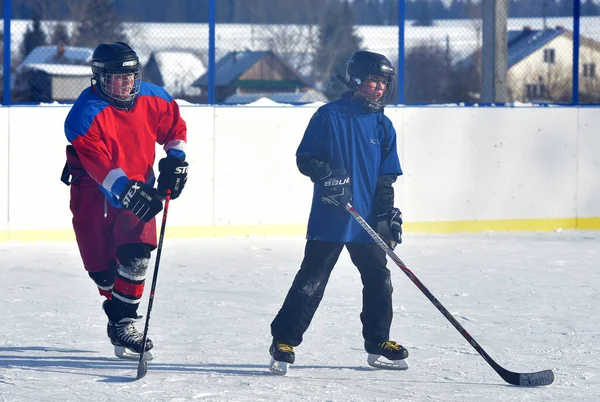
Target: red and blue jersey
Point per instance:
(117, 145)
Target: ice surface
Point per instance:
(528, 299)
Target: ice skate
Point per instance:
(388, 355)
(128, 340)
(282, 355)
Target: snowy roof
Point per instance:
(61, 69)
(236, 63)
(75, 61)
(48, 55)
(522, 43)
(231, 66)
(179, 69)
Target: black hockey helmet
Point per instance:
(116, 69)
(364, 65)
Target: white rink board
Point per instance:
(588, 158)
(256, 179)
(488, 163)
(3, 171)
(460, 164)
(38, 199)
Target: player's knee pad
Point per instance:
(105, 279)
(134, 259)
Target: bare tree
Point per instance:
(337, 41)
(60, 34)
(426, 74)
(98, 22)
(294, 43)
(547, 83)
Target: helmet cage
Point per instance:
(368, 99)
(119, 81)
(364, 66)
(112, 86)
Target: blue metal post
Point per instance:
(6, 61)
(212, 20)
(576, 16)
(401, 18)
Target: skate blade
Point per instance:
(279, 368)
(124, 353)
(382, 363)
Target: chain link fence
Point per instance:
(589, 61)
(442, 58)
(540, 51)
(292, 52)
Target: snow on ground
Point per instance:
(528, 299)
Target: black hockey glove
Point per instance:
(173, 176)
(389, 227)
(141, 199)
(336, 189)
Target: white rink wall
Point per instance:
(466, 169)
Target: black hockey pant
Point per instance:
(309, 285)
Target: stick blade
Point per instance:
(142, 369)
(545, 377)
(537, 379)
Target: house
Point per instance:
(540, 64)
(176, 71)
(253, 72)
(52, 73)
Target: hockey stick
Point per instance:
(143, 365)
(544, 377)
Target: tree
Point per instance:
(423, 13)
(337, 41)
(426, 74)
(33, 37)
(60, 35)
(97, 23)
(590, 8)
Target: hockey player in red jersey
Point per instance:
(113, 128)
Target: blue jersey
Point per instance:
(347, 136)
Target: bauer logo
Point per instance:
(130, 63)
(337, 182)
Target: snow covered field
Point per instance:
(528, 299)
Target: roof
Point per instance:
(522, 43)
(231, 66)
(75, 61)
(61, 70)
(279, 97)
(47, 55)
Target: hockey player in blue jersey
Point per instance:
(349, 152)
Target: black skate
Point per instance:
(282, 355)
(128, 340)
(390, 350)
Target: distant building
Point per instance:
(176, 71)
(259, 73)
(540, 65)
(52, 73)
